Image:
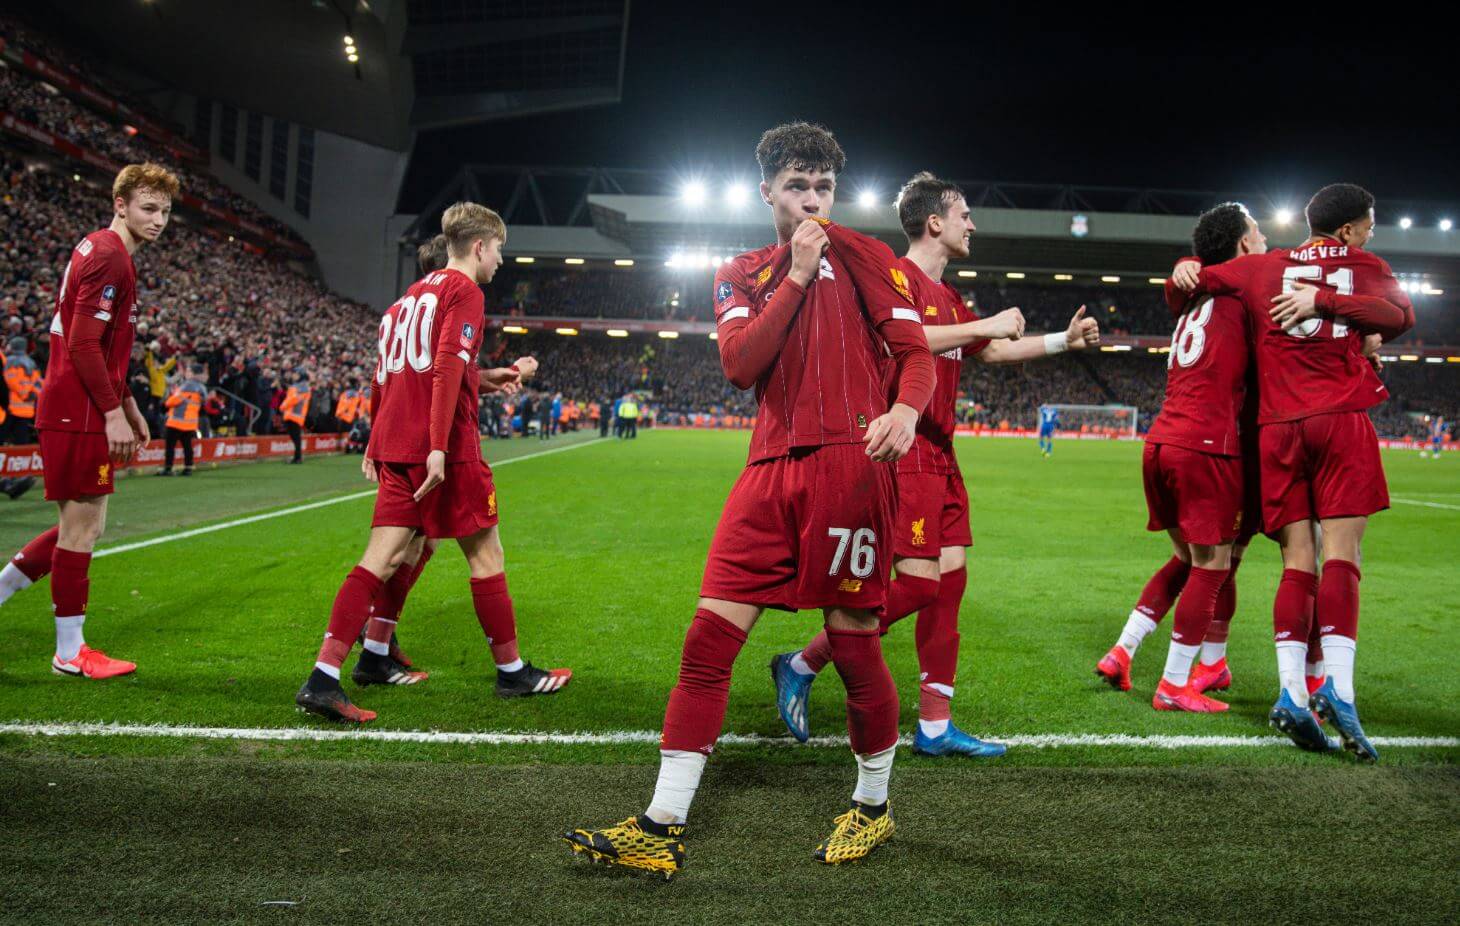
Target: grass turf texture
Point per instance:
(605, 547)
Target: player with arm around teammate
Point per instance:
(1311, 307)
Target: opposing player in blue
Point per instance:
(1049, 419)
(1437, 436)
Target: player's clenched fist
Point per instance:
(526, 366)
(807, 245)
(890, 436)
(1008, 324)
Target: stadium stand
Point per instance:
(38, 103)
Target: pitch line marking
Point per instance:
(635, 737)
(1411, 501)
(255, 518)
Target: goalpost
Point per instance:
(1111, 421)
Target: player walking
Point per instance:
(932, 533)
(1318, 450)
(88, 422)
(1437, 436)
(426, 456)
(809, 322)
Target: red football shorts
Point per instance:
(461, 506)
(1199, 495)
(1326, 466)
(76, 465)
(932, 513)
(807, 530)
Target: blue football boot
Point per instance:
(954, 742)
(1298, 723)
(1345, 718)
(793, 695)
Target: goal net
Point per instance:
(1116, 422)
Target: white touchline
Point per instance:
(631, 737)
(255, 518)
(1411, 501)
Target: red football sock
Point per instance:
(696, 710)
(34, 559)
(1226, 603)
(1292, 609)
(70, 587)
(871, 695)
(348, 615)
(1197, 605)
(907, 595)
(1338, 600)
(494, 612)
(818, 652)
(1162, 589)
(937, 641)
(1315, 642)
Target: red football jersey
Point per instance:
(1317, 366)
(932, 449)
(442, 310)
(100, 281)
(828, 382)
(1206, 378)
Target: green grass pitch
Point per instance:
(605, 544)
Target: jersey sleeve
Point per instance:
(733, 304)
(101, 283)
(880, 281)
(1226, 279)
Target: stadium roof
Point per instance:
(420, 63)
(617, 213)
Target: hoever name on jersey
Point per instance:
(932, 450)
(442, 311)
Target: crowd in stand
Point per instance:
(257, 326)
(29, 99)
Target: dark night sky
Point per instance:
(1279, 102)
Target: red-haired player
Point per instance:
(88, 422)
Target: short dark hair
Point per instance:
(1336, 205)
(922, 196)
(431, 256)
(1217, 232)
(798, 146)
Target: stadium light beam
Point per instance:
(1406, 222)
(1446, 225)
(867, 199)
(693, 193)
(1283, 216)
(737, 195)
